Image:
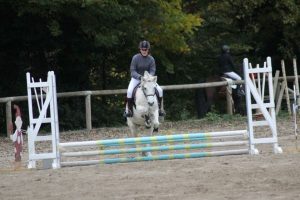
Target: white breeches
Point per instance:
(233, 75)
(134, 82)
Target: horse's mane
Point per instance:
(148, 77)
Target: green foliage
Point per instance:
(283, 114)
(254, 29)
(180, 105)
(89, 45)
(212, 116)
(217, 117)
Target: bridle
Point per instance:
(147, 95)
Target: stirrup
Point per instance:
(129, 113)
(161, 113)
(241, 92)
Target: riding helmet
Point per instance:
(144, 44)
(225, 48)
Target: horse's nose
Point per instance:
(150, 103)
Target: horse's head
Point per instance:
(148, 84)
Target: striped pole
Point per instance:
(156, 157)
(154, 148)
(155, 139)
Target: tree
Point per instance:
(88, 44)
(254, 29)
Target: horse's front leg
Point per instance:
(148, 153)
(133, 131)
(154, 127)
(132, 128)
(155, 121)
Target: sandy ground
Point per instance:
(265, 176)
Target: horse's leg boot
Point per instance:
(161, 112)
(129, 107)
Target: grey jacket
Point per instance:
(140, 64)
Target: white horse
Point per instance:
(145, 111)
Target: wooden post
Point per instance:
(88, 113)
(286, 87)
(296, 80)
(8, 118)
(229, 100)
(278, 104)
(275, 83)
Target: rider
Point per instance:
(226, 66)
(140, 63)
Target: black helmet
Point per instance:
(225, 49)
(144, 44)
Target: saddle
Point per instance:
(229, 80)
(133, 100)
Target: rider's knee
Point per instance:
(160, 91)
(129, 93)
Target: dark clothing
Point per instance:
(140, 64)
(225, 63)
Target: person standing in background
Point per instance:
(227, 67)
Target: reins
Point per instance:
(146, 95)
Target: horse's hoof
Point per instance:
(155, 130)
(146, 154)
(147, 124)
(130, 156)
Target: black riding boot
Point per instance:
(160, 111)
(129, 112)
(240, 91)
